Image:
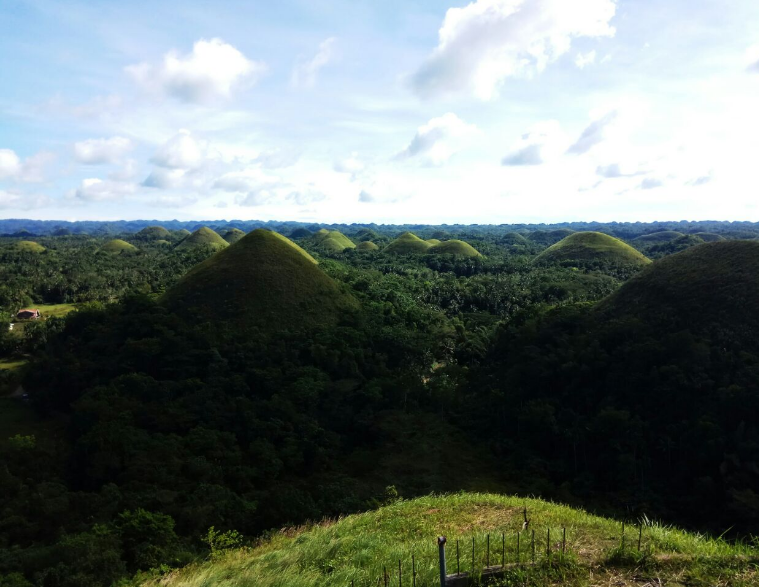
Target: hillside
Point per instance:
(663, 236)
(454, 247)
(153, 233)
(366, 246)
(263, 280)
(407, 244)
(233, 235)
(30, 247)
(709, 237)
(712, 286)
(357, 549)
(117, 247)
(333, 241)
(591, 247)
(549, 237)
(203, 237)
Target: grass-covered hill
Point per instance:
(366, 246)
(332, 241)
(589, 247)
(153, 233)
(709, 237)
(358, 549)
(204, 236)
(300, 233)
(233, 235)
(549, 237)
(513, 238)
(263, 280)
(30, 247)
(117, 247)
(663, 236)
(434, 241)
(454, 247)
(407, 244)
(712, 287)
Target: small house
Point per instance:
(29, 314)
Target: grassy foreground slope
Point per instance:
(354, 550)
(592, 246)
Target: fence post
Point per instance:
(487, 556)
(623, 535)
(441, 554)
(458, 559)
(472, 556)
(640, 535)
(384, 574)
(519, 556)
(548, 543)
(533, 547)
(563, 541)
(503, 549)
(413, 570)
(400, 576)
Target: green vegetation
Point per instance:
(233, 235)
(590, 247)
(407, 244)
(549, 237)
(433, 241)
(30, 247)
(152, 233)
(663, 236)
(357, 549)
(709, 237)
(118, 247)
(366, 246)
(332, 241)
(263, 280)
(299, 233)
(203, 237)
(454, 247)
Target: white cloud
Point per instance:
(752, 59)
(593, 134)
(212, 70)
(165, 179)
(182, 151)
(127, 172)
(305, 73)
(439, 139)
(544, 142)
(650, 183)
(101, 151)
(351, 165)
(19, 200)
(99, 190)
(488, 41)
(277, 158)
(366, 198)
(584, 59)
(10, 164)
(30, 170)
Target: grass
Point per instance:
(356, 549)
(366, 246)
(154, 233)
(30, 247)
(589, 247)
(663, 236)
(117, 247)
(263, 280)
(12, 364)
(709, 237)
(454, 247)
(203, 237)
(407, 244)
(333, 241)
(233, 235)
(55, 310)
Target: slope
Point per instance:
(588, 247)
(264, 280)
(203, 237)
(454, 247)
(233, 235)
(407, 244)
(117, 247)
(359, 549)
(153, 233)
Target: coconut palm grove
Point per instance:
(355, 293)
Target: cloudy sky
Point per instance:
(396, 111)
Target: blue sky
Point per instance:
(357, 111)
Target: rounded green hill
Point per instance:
(454, 247)
(118, 247)
(407, 244)
(203, 237)
(366, 234)
(709, 237)
(262, 281)
(182, 232)
(514, 238)
(589, 247)
(333, 241)
(153, 233)
(61, 232)
(549, 237)
(366, 246)
(433, 241)
(663, 236)
(300, 233)
(710, 287)
(30, 247)
(233, 235)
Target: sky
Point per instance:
(412, 111)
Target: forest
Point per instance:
(198, 378)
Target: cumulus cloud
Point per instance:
(584, 59)
(100, 190)
(366, 198)
(752, 59)
(593, 134)
(30, 170)
(165, 179)
(128, 171)
(488, 41)
(305, 73)
(650, 183)
(439, 139)
(15, 199)
(545, 141)
(101, 151)
(351, 165)
(278, 158)
(212, 70)
(182, 151)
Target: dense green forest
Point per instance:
(184, 378)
